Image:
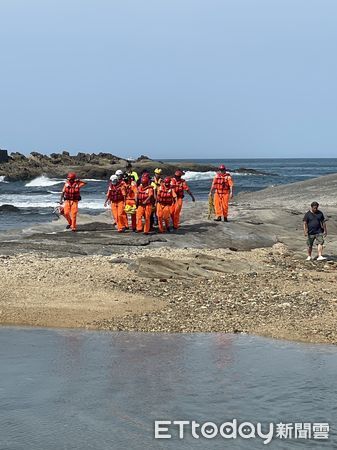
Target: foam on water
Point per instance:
(193, 176)
(43, 181)
(196, 176)
(2, 179)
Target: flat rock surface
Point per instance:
(248, 275)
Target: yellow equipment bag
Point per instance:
(130, 209)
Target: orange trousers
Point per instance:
(176, 211)
(70, 212)
(117, 209)
(163, 213)
(221, 204)
(133, 216)
(146, 212)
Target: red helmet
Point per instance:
(167, 180)
(222, 167)
(71, 176)
(145, 178)
(178, 173)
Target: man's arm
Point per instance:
(325, 233)
(62, 196)
(150, 197)
(187, 189)
(305, 228)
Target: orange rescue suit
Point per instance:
(166, 197)
(179, 186)
(131, 196)
(116, 195)
(221, 184)
(71, 195)
(145, 197)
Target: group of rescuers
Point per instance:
(147, 200)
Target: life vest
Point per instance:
(179, 187)
(115, 193)
(143, 193)
(72, 191)
(220, 183)
(130, 191)
(165, 196)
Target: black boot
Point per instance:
(225, 219)
(218, 219)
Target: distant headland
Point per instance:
(16, 166)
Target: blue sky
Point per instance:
(169, 78)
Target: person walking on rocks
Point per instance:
(166, 198)
(314, 224)
(71, 195)
(116, 197)
(222, 187)
(145, 201)
(180, 186)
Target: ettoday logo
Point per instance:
(245, 430)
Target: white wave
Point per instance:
(2, 179)
(240, 174)
(54, 192)
(193, 176)
(37, 204)
(93, 179)
(43, 181)
(46, 201)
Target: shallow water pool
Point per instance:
(71, 389)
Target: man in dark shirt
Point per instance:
(314, 224)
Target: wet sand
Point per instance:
(248, 275)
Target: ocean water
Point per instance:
(37, 198)
(80, 390)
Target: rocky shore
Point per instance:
(99, 166)
(268, 292)
(17, 166)
(245, 276)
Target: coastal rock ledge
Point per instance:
(17, 166)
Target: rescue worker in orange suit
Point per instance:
(116, 197)
(145, 201)
(222, 187)
(166, 198)
(180, 186)
(71, 196)
(130, 200)
(156, 182)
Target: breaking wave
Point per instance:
(2, 179)
(43, 181)
(194, 176)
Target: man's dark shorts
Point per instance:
(315, 237)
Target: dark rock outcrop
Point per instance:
(3, 156)
(100, 166)
(9, 209)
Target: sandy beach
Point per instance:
(245, 276)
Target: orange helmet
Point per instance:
(178, 173)
(222, 167)
(167, 180)
(71, 176)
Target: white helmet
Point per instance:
(119, 172)
(114, 179)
